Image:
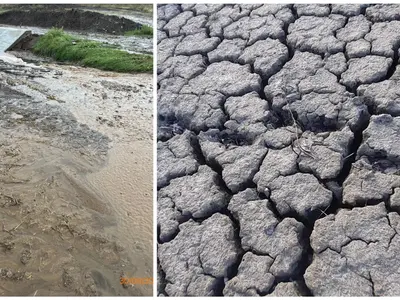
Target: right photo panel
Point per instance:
(278, 150)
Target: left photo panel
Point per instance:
(76, 150)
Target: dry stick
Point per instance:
(308, 153)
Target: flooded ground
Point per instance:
(75, 180)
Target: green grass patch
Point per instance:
(64, 47)
(145, 30)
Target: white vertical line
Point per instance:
(155, 148)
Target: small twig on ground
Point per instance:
(351, 154)
(296, 126)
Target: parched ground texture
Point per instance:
(278, 150)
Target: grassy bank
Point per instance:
(145, 30)
(64, 47)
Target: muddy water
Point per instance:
(75, 181)
(124, 183)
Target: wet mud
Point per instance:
(73, 19)
(75, 180)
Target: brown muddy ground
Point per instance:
(73, 19)
(75, 180)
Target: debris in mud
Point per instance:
(12, 275)
(293, 112)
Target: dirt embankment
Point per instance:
(74, 214)
(71, 19)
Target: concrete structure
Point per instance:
(9, 37)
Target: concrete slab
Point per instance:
(11, 36)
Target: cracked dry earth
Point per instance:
(278, 150)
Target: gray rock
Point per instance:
(301, 194)
(383, 12)
(384, 38)
(196, 195)
(338, 278)
(255, 28)
(267, 56)
(198, 257)
(171, 84)
(365, 186)
(394, 200)
(381, 139)
(355, 253)
(359, 48)
(227, 50)
(347, 10)
(199, 112)
(322, 82)
(207, 9)
(281, 137)
(161, 35)
(160, 24)
(185, 67)
(368, 224)
(316, 34)
(174, 25)
(325, 154)
(164, 100)
(321, 112)
(384, 96)
(366, 69)
(286, 289)
(194, 25)
(262, 233)
(336, 63)
(239, 164)
(356, 28)
(253, 277)
(318, 10)
(175, 158)
(166, 49)
(168, 218)
(280, 11)
(226, 78)
(167, 12)
(282, 162)
(283, 83)
(186, 7)
(248, 115)
(269, 9)
(198, 43)
(224, 17)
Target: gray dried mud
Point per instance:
(75, 180)
(278, 150)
